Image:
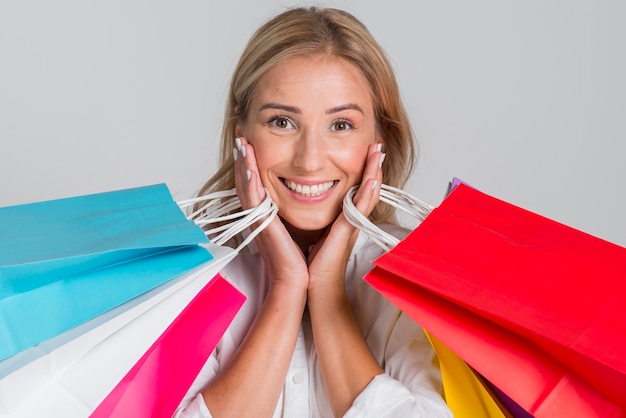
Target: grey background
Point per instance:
(523, 100)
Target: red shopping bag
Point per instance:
(534, 306)
(157, 383)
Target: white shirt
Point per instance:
(410, 386)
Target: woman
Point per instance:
(314, 109)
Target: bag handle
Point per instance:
(223, 209)
(392, 196)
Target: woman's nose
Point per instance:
(311, 151)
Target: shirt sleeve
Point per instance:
(387, 397)
(411, 385)
(238, 272)
(195, 409)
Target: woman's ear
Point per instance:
(380, 139)
(239, 131)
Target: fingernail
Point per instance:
(380, 161)
(238, 143)
(243, 152)
(235, 154)
(248, 174)
(379, 147)
(374, 184)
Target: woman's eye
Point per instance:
(281, 122)
(342, 125)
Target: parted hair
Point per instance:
(301, 32)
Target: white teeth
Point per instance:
(314, 190)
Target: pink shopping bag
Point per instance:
(157, 383)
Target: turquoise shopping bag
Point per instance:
(65, 261)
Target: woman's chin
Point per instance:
(307, 225)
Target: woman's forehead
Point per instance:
(324, 79)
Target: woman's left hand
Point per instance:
(346, 361)
(328, 258)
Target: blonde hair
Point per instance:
(304, 31)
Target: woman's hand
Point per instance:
(263, 358)
(328, 258)
(283, 259)
(346, 362)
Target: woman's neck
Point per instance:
(304, 239)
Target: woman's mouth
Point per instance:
(309, 190)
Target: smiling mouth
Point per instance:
(309, 190)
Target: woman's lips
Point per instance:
(309, 190)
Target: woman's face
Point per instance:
(310, 121)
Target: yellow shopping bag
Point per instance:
(464, 391)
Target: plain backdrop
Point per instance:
(524, 100)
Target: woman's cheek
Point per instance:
(352, 159)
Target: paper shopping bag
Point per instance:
(156, 384)
(76, 375)
(75, 258)
(532, 305)
(465, 393)
(72, 373)
(539, 383)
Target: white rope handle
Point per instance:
(393, 197)
(221, 209)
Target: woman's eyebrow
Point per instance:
(293, 109)
(286, 108)
(347, 106)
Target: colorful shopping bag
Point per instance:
(113, 355)
(78, 257)
(157, 383)
(532, 305)
(78, 374)
(465, 393)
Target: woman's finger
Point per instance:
(247, 181)
(367, 195)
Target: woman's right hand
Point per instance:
(283, 259)
(263, 356)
